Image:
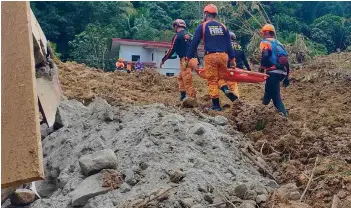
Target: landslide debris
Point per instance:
(318, 104)
(162, 157)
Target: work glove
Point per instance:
(286, 82)
(232, 63)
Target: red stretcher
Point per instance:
(239, 75)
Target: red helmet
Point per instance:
(179, 23)
(211, 8)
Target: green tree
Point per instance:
(92, 45)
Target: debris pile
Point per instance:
(147, 156)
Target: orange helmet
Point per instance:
(179, 23)
(211, 8)
(268, 27)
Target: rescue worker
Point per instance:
(240, 61)
(240, 57)
(217, 50)
(276, 66)
(120, 64)
(129, 67)
(180, 45)
(139, 65)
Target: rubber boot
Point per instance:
(228, 93)
(182, 95)
(215, 105)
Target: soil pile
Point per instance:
(175, 158)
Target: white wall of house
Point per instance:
(171, 65)
(126, 52)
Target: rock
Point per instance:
(218, 200)
(187, 202)
(261, 198)
(248, 204)
(235, 199)
(130, 177)
(45, 188)
(45, 130)
(108, 115)
(221, 120)
(250, 195)
(200, 142)
(241, 191)
(289, 191)
(88, 188)
(295, 195)
(208, 198)
(197, 206)
(198, 129)
(143, 165)
(93, 163)
(22, 197)
(272, 184)
(189, 103)
(124, 188)
(176, 176)
(204, 188)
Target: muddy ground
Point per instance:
(318, 126)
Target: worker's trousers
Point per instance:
(185, 77)
(272, 92)
(233, 86)
(215, 66)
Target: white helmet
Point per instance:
(232, 35)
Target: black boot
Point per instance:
(228, 93)
(182, 95)
(215, 105)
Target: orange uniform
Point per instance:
(119, 65)
(185, 78)
(215, 65)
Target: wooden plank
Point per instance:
(21, 151)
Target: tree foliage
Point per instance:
(326, 26)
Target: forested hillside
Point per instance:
(82, 31)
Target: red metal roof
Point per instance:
(147, 44)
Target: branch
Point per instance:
(309, 181)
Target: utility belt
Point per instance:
(211, 52)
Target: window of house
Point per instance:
(169, 74)
(135, 57)
(152, 57)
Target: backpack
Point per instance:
(279, 55)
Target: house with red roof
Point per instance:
(150, 54)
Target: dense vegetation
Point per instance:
(82, 31)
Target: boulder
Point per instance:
(22, 197)
(198, 129)
(221, 120)
(93, 163)
(241, 191)
(88, 188)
